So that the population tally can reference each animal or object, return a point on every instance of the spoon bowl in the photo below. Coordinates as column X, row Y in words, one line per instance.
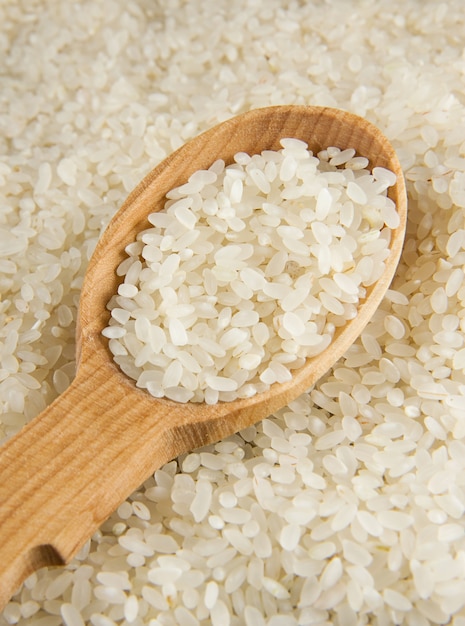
column 70, row 468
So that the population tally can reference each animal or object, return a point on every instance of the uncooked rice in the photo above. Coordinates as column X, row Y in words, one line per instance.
column 346, row 507
column 249, row 270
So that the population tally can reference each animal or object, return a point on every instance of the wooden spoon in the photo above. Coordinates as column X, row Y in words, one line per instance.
column 69, row 469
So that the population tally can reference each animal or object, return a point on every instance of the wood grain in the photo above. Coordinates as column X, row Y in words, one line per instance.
column 70, row 468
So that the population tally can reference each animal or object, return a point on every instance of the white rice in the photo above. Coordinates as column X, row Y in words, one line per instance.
column 360, row 521
column 272, row 247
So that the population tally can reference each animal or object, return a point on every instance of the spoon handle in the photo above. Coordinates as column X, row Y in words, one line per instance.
column 67, row 470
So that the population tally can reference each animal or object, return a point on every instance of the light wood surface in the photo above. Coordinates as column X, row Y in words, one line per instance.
column 69, row 469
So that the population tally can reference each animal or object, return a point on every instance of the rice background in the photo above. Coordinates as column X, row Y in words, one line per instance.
column 346, row 507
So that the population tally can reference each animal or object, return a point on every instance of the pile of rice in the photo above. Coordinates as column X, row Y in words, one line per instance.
column 249, row 270
column 348, row 506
